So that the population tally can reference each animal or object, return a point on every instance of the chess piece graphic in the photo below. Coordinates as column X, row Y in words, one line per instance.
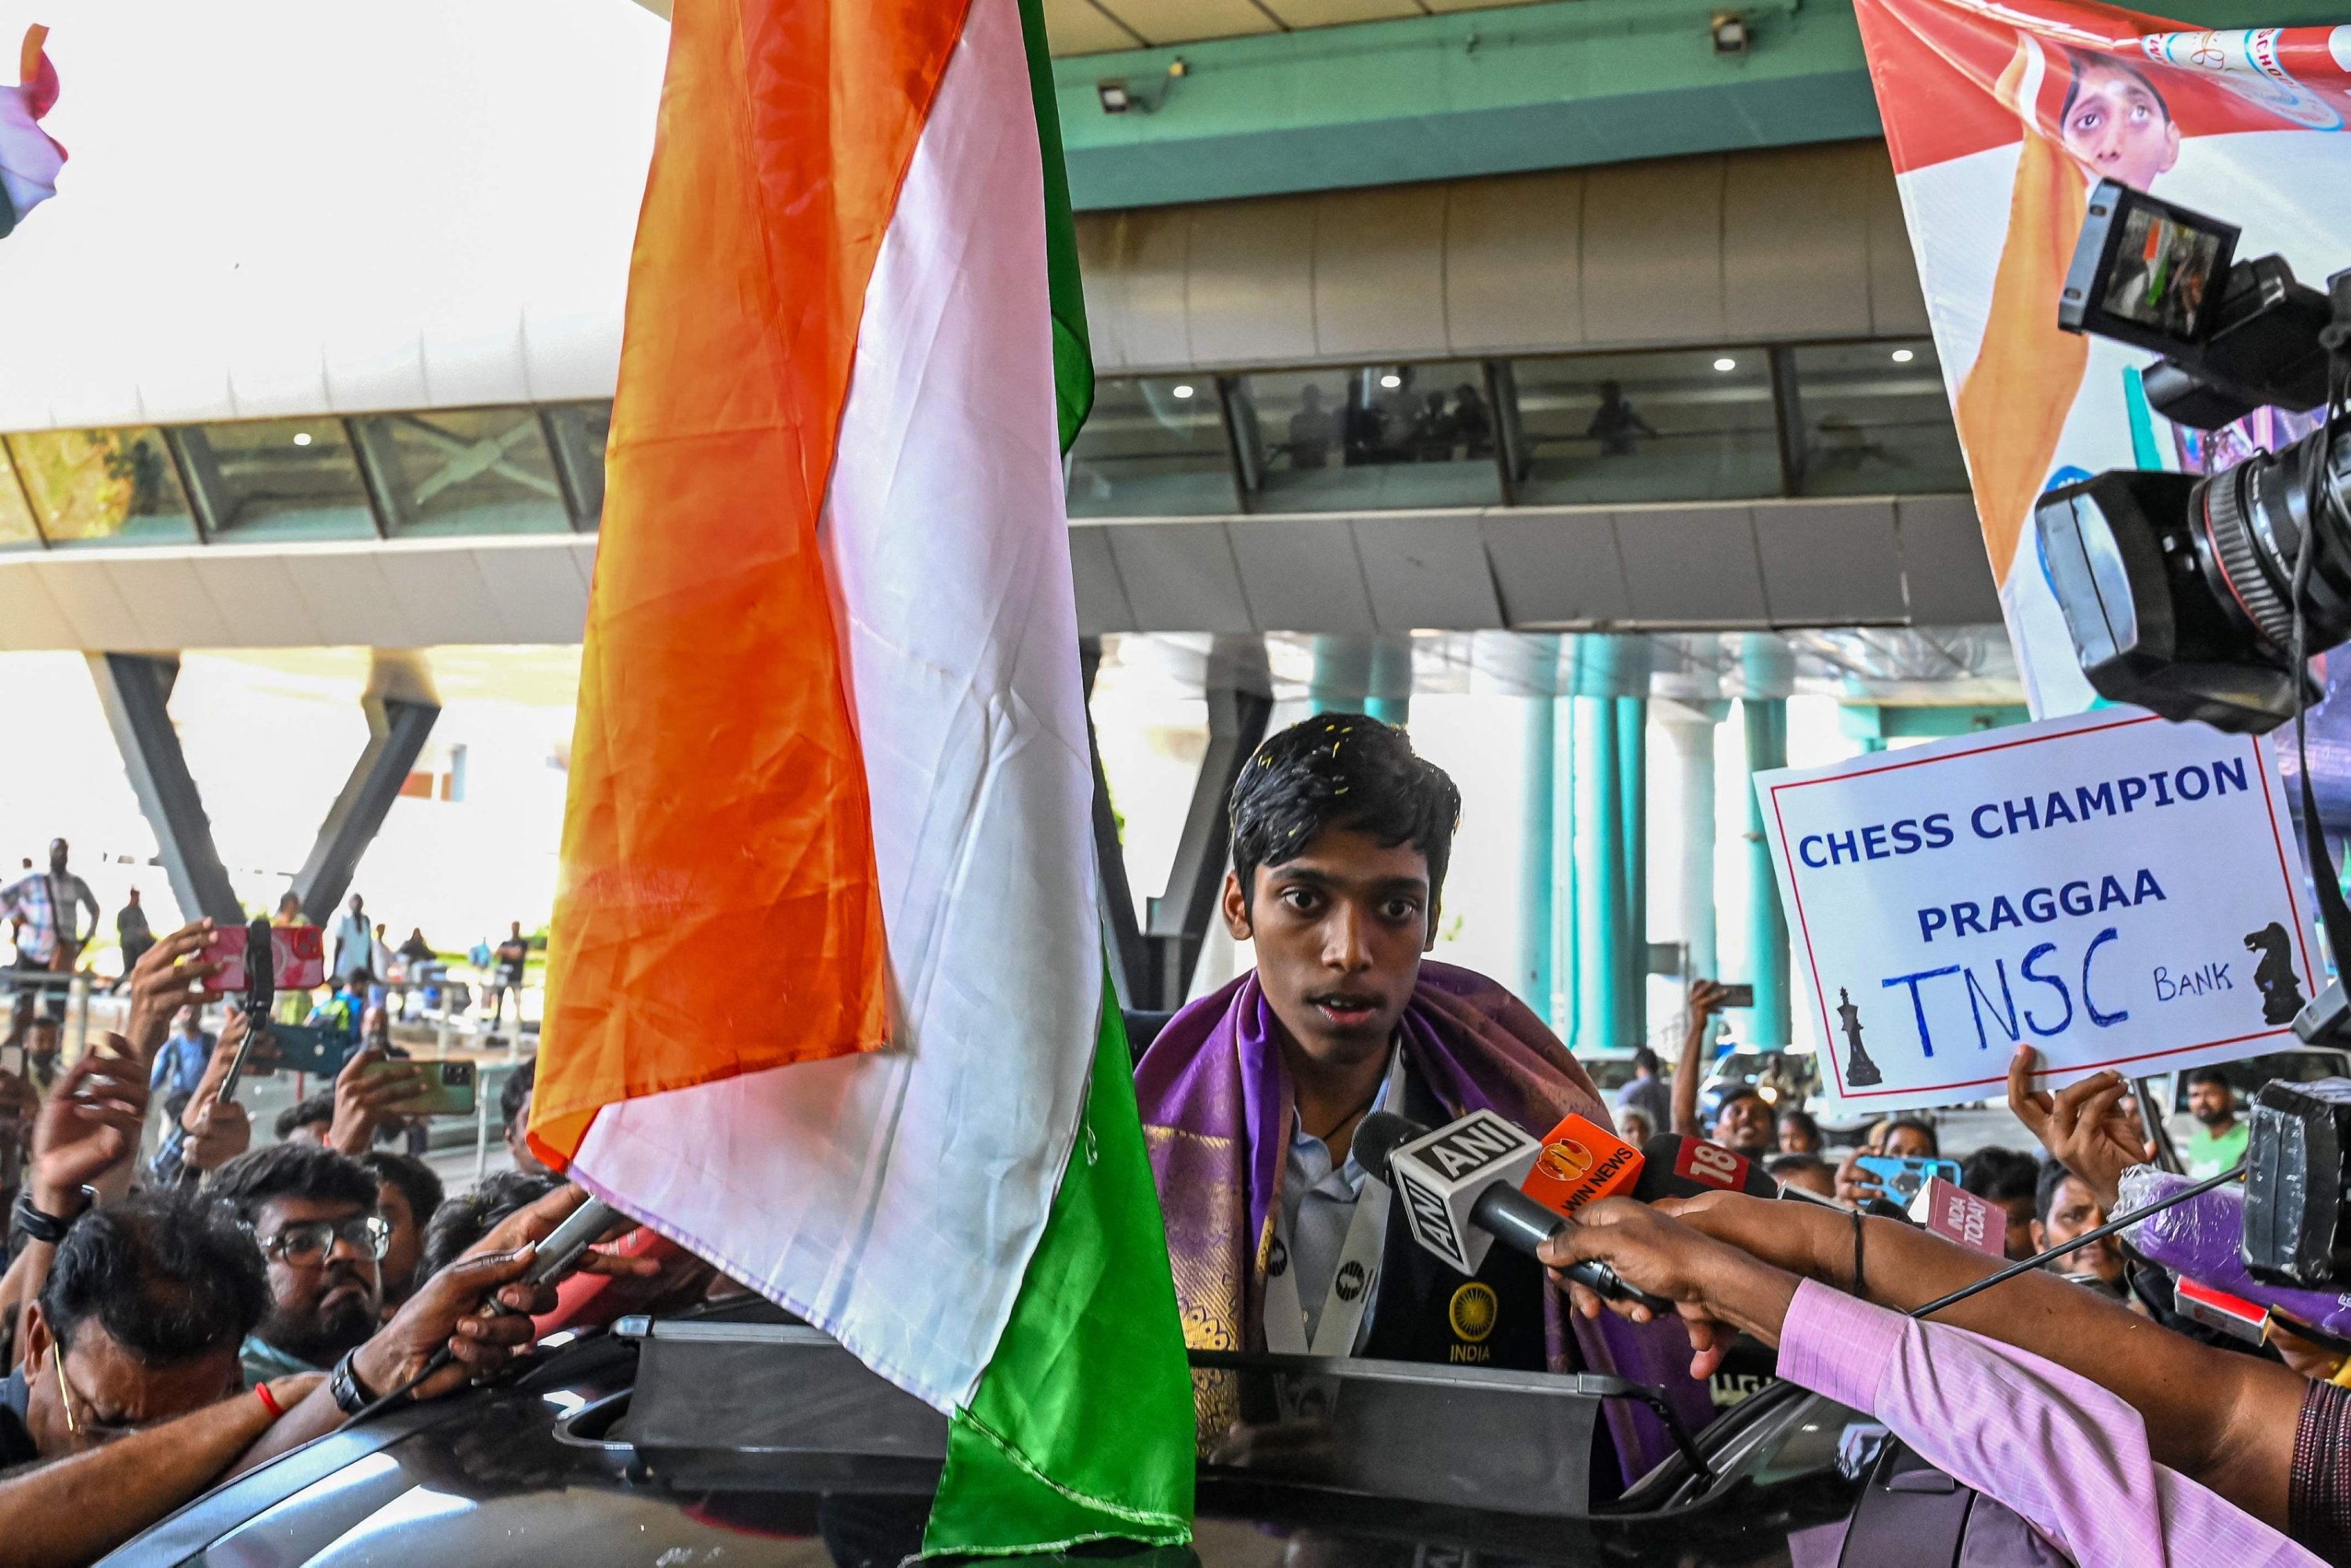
column 1860, row 1072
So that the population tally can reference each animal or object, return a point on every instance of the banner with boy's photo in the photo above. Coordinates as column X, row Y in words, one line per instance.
column 2002, row 116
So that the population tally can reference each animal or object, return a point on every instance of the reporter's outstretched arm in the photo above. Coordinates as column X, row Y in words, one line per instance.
column 2224, row 1420
column 2070, row 1456
column 77, row 1509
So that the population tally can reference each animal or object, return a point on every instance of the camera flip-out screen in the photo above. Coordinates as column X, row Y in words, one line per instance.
column 2147, row 272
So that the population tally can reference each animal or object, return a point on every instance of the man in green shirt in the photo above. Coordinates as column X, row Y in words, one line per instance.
column 2219, row 1140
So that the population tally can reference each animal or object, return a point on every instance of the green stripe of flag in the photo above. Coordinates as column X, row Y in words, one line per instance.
column 1082, row 1428
column 1073, row 359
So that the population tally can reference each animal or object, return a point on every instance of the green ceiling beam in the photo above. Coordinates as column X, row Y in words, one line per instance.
column 1484, row 92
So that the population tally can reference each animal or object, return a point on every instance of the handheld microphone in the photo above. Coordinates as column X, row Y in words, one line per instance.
column 1459, row 1183
column 1675, row 1165
column 2203, row 1240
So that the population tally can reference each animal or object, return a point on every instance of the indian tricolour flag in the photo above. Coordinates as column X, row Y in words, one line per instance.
column 826, row 1001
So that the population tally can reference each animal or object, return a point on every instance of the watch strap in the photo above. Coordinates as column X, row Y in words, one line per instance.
column 49, row 1229
column 350, row 1394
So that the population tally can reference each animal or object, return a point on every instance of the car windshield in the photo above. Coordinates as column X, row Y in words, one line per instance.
column 2250, row 1073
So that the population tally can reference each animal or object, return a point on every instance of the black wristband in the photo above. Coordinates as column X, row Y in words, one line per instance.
column 1860, row 1291
column 49, row 1229
column 350, row 1394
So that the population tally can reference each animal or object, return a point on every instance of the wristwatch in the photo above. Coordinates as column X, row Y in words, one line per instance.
column 351, row 1396
column 49, row 1229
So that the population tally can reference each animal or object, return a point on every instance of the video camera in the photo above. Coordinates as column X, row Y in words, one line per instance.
column 2178, row 590
column 2297, row 1227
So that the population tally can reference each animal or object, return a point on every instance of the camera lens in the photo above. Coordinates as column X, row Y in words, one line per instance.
column 2254, row 518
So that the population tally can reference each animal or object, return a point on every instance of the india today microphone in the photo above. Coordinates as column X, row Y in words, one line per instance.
column 1461, row 1190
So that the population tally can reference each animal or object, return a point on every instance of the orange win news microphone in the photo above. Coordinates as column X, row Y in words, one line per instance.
column 1459, row 1183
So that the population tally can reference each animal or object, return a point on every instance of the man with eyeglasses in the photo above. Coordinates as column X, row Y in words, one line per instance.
column 100, row 1359
column 313, row 1214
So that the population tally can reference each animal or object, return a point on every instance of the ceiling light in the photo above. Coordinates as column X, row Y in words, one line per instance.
column 1903, row 356
column 1726, row 363
column 1115, row 97
column 301, row 438
column 1730, row 35
column 1183, row 389
column 1392, row 380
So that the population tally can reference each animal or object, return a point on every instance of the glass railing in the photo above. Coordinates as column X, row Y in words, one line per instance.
column 1740, row 423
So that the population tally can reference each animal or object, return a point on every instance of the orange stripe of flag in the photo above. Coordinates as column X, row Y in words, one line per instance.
column 719, row 911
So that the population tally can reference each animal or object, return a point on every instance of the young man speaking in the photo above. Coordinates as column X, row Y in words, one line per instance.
column 1250, row 1097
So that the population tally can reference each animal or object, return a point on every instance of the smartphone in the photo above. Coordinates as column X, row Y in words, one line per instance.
column 298, row 953
column 448, row 1087
column 1904, row 1176
column 303, row 1048
column 1738, row 995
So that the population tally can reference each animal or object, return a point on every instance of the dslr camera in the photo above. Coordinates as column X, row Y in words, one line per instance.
column 2178, row 590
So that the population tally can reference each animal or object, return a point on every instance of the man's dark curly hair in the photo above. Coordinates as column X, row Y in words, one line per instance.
column 318, row 1111
column 465, row 1219
column 290, row 1170
column 167, row 1275
column 1341, row 769
column 411, row 1176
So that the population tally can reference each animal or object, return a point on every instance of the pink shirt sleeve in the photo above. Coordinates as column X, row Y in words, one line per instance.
column 2069, row 1457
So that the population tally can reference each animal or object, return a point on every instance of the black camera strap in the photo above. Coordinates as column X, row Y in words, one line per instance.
column 2333, row 913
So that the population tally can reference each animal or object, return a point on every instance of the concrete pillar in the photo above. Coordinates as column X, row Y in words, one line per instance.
column 1390, row 686
column 1343, row 673
column 1633, row 815
column 1600, row 916
column 1563, row 925
column 1532, row 979
column 1691, row 729
column 1766, row 721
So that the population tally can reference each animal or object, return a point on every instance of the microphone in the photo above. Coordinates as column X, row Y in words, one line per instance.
column 1675, row 1165
column 2202, row 1239
column 1461, row 1187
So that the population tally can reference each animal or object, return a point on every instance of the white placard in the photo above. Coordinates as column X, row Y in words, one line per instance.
column 2115, row 890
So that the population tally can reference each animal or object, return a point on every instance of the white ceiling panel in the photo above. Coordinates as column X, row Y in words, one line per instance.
column 1691, row 566
column 1829, row 563
column 535, row 588
column 29, row 618
column 1557, row 568
column 257, row 595
column 349, row 600
column 1180, row 577
column 174, row 608
column 1427, row 572
column 1102, row 598
column 1082, row 28
column 440, row 592
column 1302, row 574
column 1186, row 21
column 87, row 598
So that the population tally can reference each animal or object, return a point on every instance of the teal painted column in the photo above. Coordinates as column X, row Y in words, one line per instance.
column 1390, row 683
column 1600, row 912
column 1533, row 978
column 1343, row 673
column 1563, row 903
column 1633, row 810
column 1766, row 721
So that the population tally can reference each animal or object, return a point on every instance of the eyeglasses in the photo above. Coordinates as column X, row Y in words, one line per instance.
column 307, row 1243
column 98, row 1428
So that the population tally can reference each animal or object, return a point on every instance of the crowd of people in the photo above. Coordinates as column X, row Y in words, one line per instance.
column 177, row 1319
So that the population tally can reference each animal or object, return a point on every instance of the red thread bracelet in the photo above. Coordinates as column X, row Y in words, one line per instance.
column 269, row 1401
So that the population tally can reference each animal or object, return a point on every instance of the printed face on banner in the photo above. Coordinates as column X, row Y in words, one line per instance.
column 2111, row 889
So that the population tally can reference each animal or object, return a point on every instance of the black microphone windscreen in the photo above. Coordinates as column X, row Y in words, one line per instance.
column 1673, row 1165
column 1378, row 1136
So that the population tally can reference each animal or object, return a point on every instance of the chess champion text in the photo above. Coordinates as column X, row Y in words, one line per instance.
column 2038, row 812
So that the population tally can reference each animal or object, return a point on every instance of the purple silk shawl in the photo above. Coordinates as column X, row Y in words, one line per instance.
column 1215, row 1096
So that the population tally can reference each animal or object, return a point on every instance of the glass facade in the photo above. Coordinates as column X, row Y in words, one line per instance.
column 103, row 487
column 1369, row 438
column 1683, row 426
column 1154, row 446
column 278, row 480
column 16, row 529
column 464, row 471
column 1739, row 422
column 1875, row 418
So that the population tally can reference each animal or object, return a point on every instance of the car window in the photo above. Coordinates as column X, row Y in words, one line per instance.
column 2250, row 1074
